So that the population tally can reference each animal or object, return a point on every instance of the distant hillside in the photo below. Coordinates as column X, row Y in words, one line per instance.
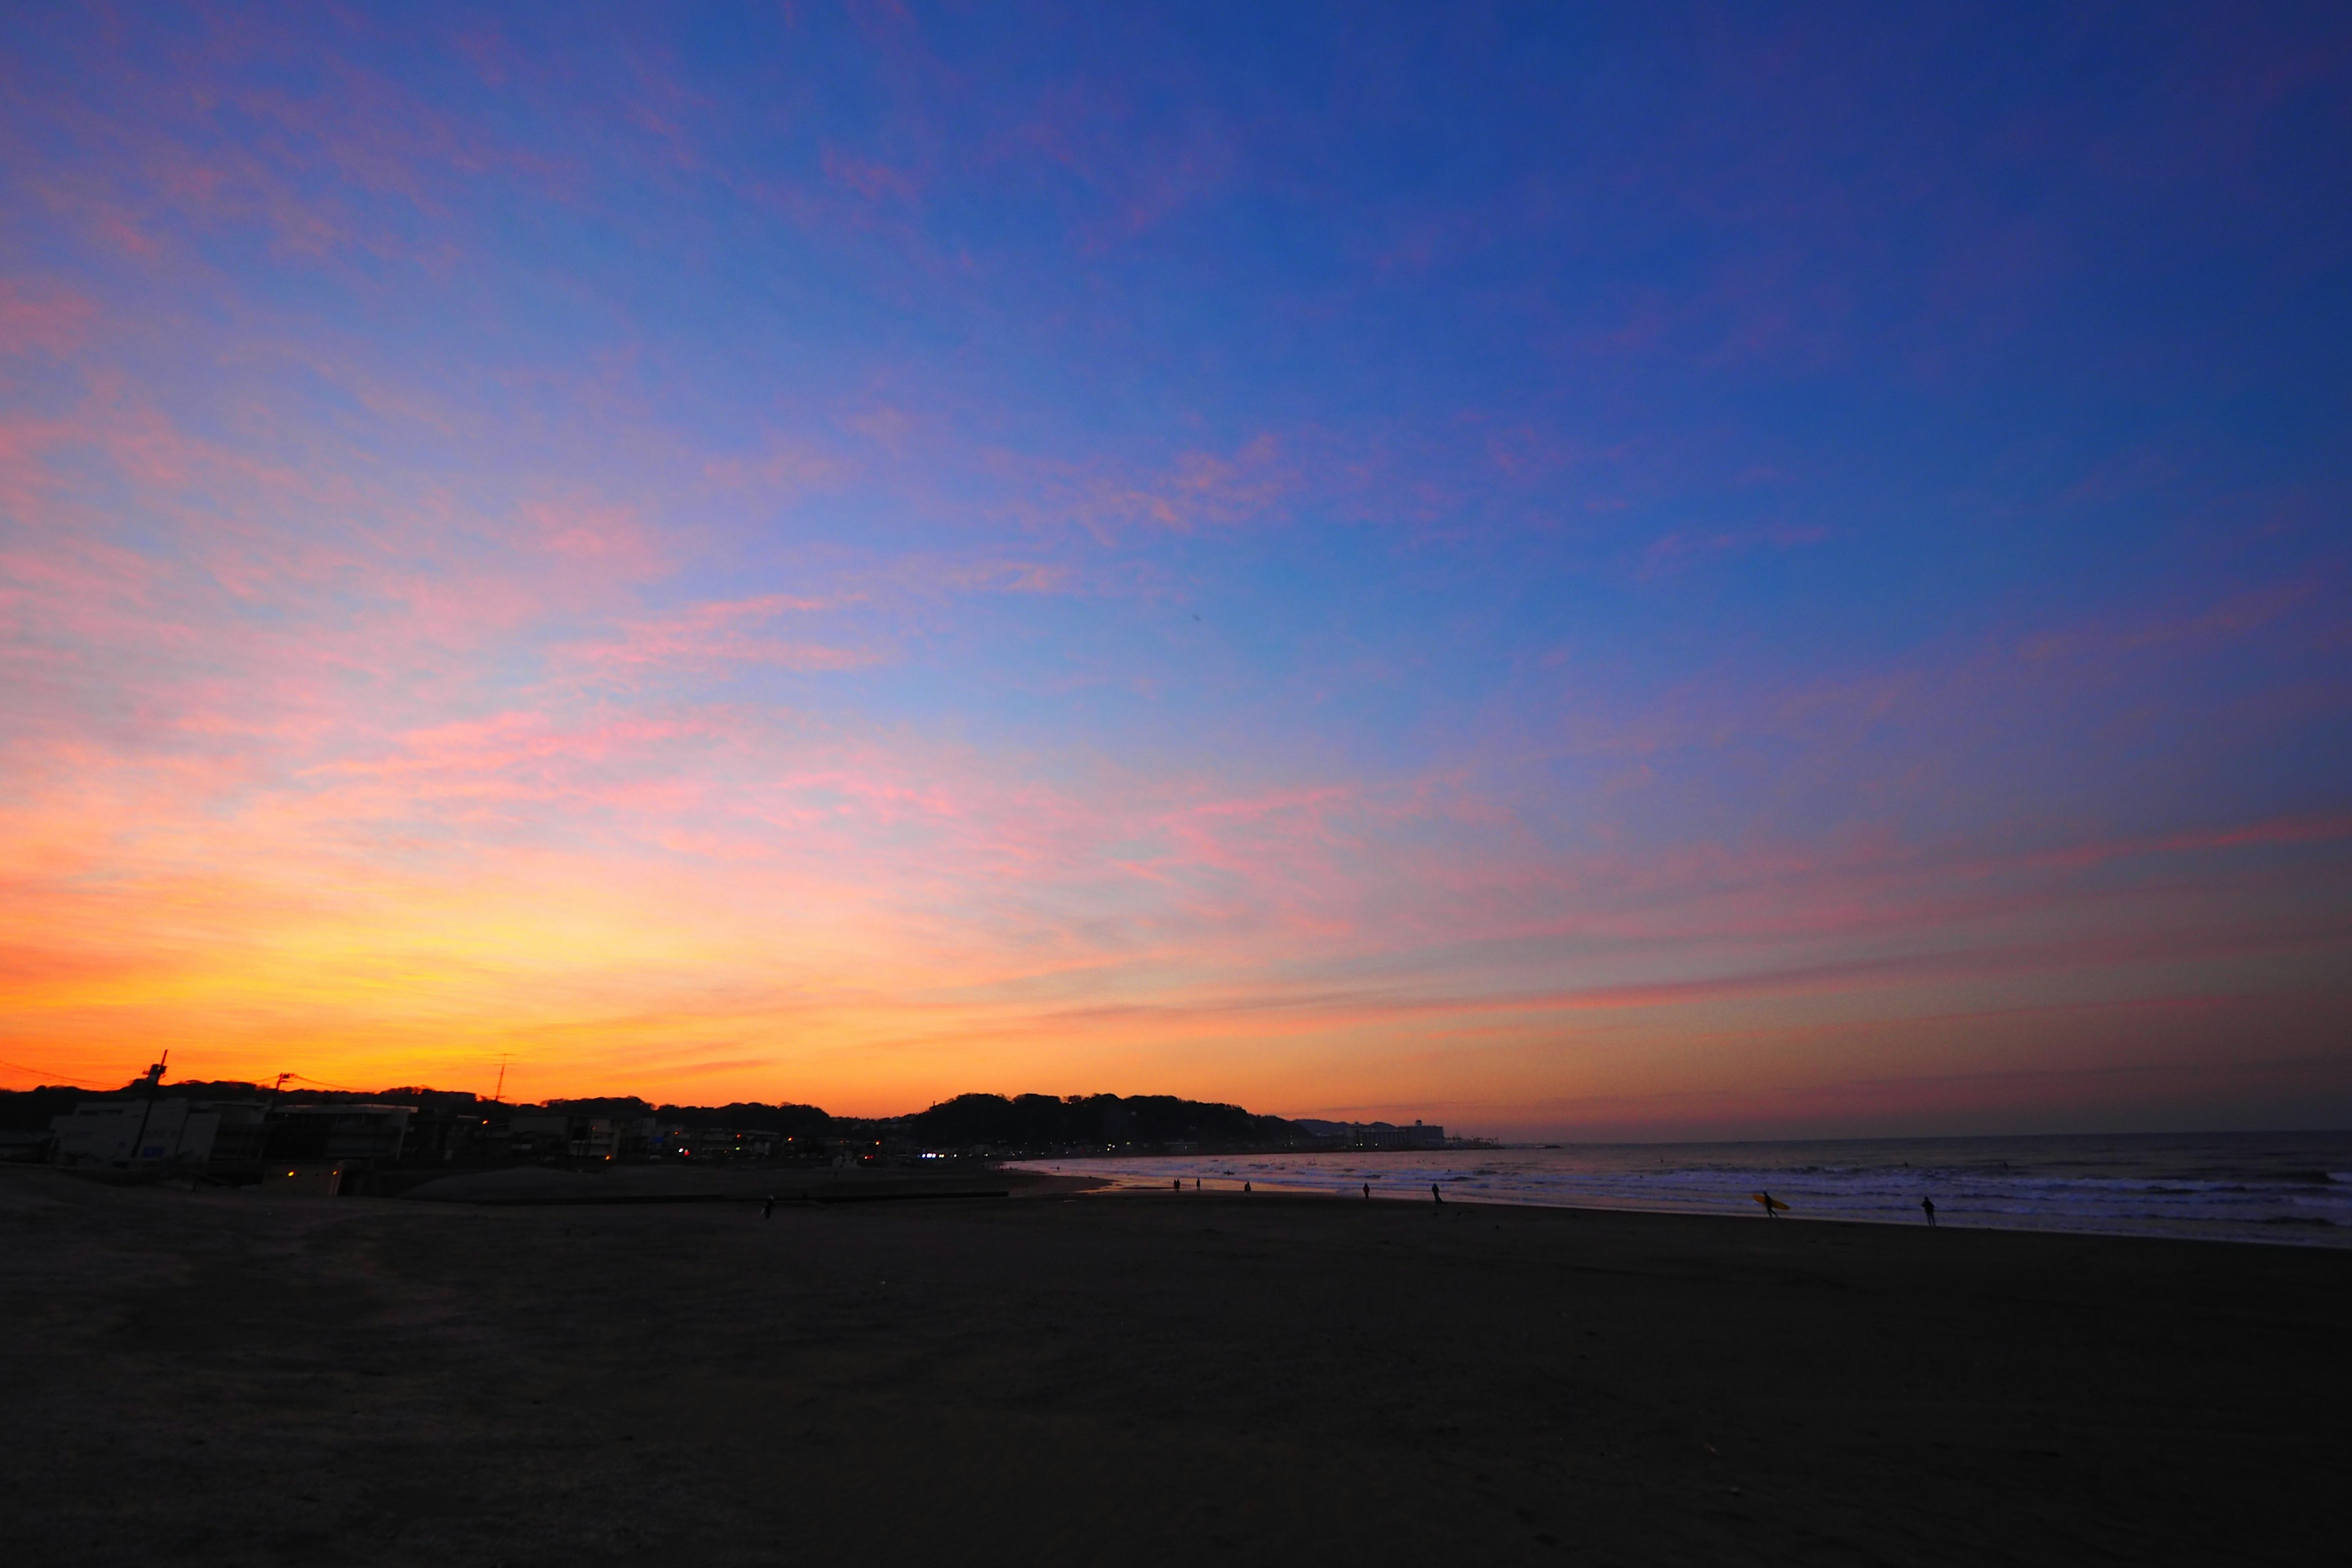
column 1043, row 1120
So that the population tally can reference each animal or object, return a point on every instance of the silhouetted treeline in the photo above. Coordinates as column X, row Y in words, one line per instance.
column 602, row 1105
column 745, row 1116
column 968, row 1120
column 740, row 1116
column 1043, row 1121
column 31, row 1108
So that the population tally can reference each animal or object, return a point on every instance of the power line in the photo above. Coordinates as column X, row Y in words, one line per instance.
column 323, row 1083
column 46, row 1073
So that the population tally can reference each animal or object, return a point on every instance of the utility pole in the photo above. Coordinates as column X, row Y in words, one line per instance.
column 261, row 1150
column 154, row 1077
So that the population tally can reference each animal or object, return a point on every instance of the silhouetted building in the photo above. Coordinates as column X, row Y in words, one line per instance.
column 719, row 1145
column 177, row 1131
column 1374, row 1134
column 450, row 1133
column 28, row 1145
column 349, row 1134
column 539, row 1134
column 238, row 1137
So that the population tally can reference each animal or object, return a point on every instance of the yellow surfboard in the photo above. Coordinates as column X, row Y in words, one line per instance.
column 1771, row 1203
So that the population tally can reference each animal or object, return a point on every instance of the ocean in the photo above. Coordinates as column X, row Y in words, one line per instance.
column 2278, row 1187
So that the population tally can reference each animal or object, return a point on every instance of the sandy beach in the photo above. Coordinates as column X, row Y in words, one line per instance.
column 1141, row 1378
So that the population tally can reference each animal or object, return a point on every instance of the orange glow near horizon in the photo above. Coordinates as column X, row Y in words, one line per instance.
column 711, row 974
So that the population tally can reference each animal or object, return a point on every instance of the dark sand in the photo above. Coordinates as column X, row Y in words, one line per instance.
column 1145, row 1378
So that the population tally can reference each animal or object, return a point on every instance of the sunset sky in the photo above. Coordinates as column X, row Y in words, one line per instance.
column 1616, row 573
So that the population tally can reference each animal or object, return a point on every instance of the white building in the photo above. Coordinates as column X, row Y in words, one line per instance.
column 100, row 1131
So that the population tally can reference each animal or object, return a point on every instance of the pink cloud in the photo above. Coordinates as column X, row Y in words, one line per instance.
column 1198, row 490
column 786, row 466
column 1679, row 551
column 53, row 321
column 2246, row 611
column 608, row 535
column 719, row 633
column 870, row 180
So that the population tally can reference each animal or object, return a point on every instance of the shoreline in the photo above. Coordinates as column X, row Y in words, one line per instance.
column 1271, row 1190
column 2272, row 1190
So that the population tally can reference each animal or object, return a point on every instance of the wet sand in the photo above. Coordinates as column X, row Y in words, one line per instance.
column 1144, row 1378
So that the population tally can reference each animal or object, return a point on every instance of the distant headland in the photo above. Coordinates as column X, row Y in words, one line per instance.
column 366, row 1140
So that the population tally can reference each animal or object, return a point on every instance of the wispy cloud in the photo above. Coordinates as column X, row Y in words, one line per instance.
column 947, row 557
column 706, row 635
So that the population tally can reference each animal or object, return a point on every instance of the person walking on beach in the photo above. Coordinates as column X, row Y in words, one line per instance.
column 1245, row 1186
column 1766, row 1199
column 1367, row 1192
column 1180, row 1183
column 1435, row 1196
column 768, row 1210
column 1928, row 1204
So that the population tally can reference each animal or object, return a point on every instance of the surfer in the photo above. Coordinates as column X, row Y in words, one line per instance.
column 1435, row 1196
column 1928, row 1207
column 1771, row 1204
column 1367, row 1192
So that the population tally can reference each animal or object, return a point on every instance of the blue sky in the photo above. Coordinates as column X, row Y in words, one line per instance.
column 1644, row 570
